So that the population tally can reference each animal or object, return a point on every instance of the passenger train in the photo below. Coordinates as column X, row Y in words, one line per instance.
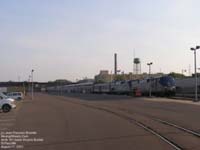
column 186, row 86
column 160, row 86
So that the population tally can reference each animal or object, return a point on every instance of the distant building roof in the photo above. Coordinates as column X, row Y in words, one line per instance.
column 104, row 72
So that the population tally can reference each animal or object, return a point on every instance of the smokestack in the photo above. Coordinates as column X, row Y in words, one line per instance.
column 115, row 62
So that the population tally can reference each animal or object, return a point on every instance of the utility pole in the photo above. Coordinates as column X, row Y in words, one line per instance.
column 32, row 84
column 195, row 72
column 115, row 64
column 133, row 64
column 149, row 64
column 29, row 81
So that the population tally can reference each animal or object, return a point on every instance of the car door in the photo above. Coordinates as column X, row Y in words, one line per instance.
column 15, row 95
column 10, row 95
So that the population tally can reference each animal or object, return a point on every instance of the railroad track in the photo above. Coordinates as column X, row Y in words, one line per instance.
column 190, row 131
column 130, row 116
column 140, row 124
column 195, row 134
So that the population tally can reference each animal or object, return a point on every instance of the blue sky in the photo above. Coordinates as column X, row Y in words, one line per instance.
column 73, row 39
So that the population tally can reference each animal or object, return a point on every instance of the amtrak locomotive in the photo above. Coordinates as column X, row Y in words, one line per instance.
column 161, row 86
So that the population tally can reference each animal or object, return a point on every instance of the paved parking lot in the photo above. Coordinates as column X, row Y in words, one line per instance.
column 96, row 122
column 8, row 120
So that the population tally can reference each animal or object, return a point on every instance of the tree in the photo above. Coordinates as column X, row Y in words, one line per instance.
column 176, row 75
column 119, row 78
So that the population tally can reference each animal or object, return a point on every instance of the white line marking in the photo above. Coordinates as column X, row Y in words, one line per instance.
column 3, row 129
column 6, row 124
column 7, row 120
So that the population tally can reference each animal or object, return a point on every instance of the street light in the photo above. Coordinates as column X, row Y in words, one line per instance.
column 195, row 71
column 198, row 76
column 29, row 83
column 32, row 84
column 149, row 64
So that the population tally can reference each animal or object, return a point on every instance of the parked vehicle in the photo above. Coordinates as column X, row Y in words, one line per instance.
column 6, row 104
column 16, row 95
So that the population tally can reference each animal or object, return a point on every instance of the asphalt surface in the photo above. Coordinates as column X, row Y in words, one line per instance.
column 102, row 122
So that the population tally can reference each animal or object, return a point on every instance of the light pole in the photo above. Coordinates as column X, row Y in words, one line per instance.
column 149, row 64
column 32, row 84
column 195, row 72
column 198, row 76
column 29, row 81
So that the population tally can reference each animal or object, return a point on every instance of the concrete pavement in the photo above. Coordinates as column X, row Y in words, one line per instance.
column 64, row 123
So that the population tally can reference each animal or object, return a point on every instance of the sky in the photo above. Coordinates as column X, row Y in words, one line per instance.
column 74, row 39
